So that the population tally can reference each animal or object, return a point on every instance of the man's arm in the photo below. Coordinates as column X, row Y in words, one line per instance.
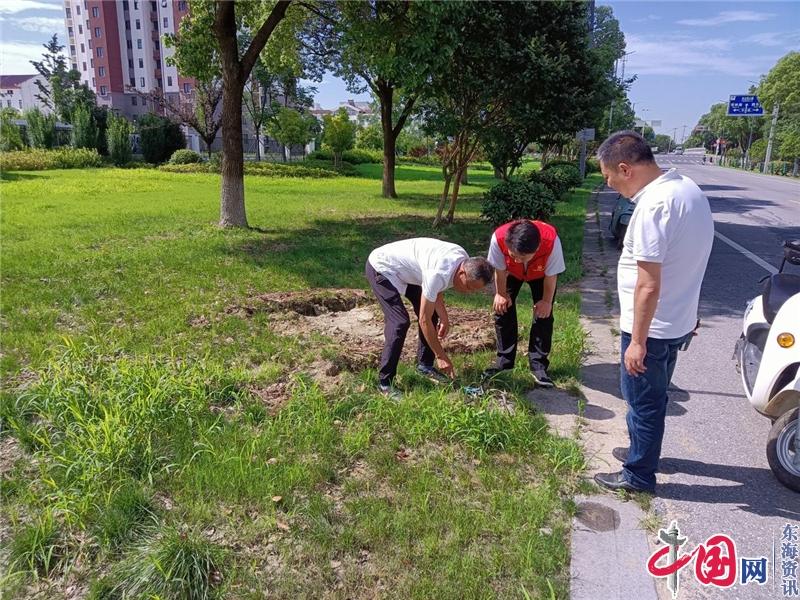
column 501, row 299
column 645, row 301
column 444, row 319
column 544, row 307
column 429, row 331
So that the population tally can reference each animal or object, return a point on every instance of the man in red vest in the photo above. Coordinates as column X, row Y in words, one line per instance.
column 525, row 251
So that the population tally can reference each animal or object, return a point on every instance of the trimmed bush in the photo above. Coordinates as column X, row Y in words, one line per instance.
column 345, row 168
column 592, row 166
column 354, row 157
column 552, row 179
column 517, row 199
column 184, row 156
column 559, row 163
column 39, row 159
column 263, row 169
column 570, row 173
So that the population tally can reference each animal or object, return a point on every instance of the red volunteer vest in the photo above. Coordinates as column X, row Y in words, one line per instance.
column 535, row 267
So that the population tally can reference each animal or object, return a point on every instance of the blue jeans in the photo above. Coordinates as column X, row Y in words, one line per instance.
column 646, row 395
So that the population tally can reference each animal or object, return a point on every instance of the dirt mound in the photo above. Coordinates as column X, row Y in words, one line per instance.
column 353, row 322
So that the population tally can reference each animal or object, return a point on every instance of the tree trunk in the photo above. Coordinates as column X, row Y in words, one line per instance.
column 258, row 143
column 498, row 173
column 232, row 212
column 464, row 179
column 454, row 197
column 438, row 220
column 385, row 95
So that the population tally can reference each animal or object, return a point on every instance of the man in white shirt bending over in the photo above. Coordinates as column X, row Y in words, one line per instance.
column 660, row 271
column 420, row 269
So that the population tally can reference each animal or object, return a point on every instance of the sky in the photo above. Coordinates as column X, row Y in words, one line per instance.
column 685, row 55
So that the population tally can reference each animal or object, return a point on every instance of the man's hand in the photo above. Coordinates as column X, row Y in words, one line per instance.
column 543, row 309
column 634, row 359
column 502, row 302
column 443, row 328
column 445, row 366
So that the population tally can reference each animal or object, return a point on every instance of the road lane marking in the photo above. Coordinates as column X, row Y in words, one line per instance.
column 761, row 263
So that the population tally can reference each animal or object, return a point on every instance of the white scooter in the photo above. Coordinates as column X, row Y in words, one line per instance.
column 768, row 357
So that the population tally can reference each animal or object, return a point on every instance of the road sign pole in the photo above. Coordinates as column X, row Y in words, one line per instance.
column 768, row 157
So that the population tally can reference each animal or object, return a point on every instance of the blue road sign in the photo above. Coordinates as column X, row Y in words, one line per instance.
column 745, row 106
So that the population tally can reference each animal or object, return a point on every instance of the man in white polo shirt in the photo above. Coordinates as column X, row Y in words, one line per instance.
column 420, row 269
column 660, row 271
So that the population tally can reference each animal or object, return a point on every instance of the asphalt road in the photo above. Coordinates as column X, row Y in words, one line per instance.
column 714, row 472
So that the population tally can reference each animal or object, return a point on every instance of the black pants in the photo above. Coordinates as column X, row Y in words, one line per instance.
column 507, row 329
column 396, row 324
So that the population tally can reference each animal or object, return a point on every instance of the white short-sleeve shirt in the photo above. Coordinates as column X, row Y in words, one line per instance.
column 426, row 262
column 672, row 225
column 553, row 266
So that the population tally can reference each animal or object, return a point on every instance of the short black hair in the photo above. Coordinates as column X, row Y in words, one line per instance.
column 478, row 268
column 523, row 237
column 625, row 146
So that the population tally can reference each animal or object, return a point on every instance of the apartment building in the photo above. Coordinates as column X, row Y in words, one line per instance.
column 19, row 92
column 117, row 47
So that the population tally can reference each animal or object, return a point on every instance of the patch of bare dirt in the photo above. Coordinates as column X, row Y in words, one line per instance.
column 273, row 396
column 353, row 321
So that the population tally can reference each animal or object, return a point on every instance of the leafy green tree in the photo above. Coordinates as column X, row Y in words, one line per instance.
column 338, row 133
column 391, row 48
column 204, row 56
column 758, row 151
column 10, row 135
column 119, row 140
column 781, row 87
column 40, row 128
column 663, row 142
column 370, row 137
column 289, row 127
column 160, row 137
column 84, row 129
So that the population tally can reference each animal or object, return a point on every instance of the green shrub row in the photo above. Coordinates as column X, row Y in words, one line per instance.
column 354, row 157
column 261, row 169
column 39, row 159
column 559, row 178
column 184, row 156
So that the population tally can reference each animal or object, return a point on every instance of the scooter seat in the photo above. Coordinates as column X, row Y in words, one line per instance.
column 779, row 288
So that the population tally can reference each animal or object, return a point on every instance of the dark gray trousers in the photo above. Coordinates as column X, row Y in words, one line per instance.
column 396, row 324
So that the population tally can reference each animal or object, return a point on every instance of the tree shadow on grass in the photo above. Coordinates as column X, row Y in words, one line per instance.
column 14, row 176
column 332, row 253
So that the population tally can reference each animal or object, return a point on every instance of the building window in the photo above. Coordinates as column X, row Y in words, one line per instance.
column 133, row 82
column 182, row 6
column 8, row 103
column 84, row 66
column 130, row 44
column 70, row 31
column 127, row 24
column 93, row 83
column 141, row 81
column 124, row 4
column 160, row 82
column 135, row 5
column 95, row 12
column 134, row 101
column 74, row 66
column 130, row 63
column 69, row 12
column 166, row 22
column 77, row 9
column 169, row 80
column 153, row 6
column 91, row 62
column 138, row 24
column 90, row 44
column 141, row 63
column 103, row 90
column 99, row 51
column 157, row 46
column 83, row 48
column 102, row 72
column 97, row 32
column 71, row 49
column 186, row 88
column 80, row 29
column 139, row 44
column 20, row 103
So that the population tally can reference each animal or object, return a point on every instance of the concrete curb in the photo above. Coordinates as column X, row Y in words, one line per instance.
column 609, row 545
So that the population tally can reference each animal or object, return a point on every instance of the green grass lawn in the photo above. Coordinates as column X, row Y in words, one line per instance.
column 143, row 463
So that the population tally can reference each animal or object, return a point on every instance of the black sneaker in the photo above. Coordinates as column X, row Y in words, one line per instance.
column 391, row 392
column 432, row 374
column 617, row 481
column 541, row 377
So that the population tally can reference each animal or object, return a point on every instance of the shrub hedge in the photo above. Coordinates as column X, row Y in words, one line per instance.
column 40, row 159
column 354, row 157
column 517, row 199
column 185, row 156
column 261, row 169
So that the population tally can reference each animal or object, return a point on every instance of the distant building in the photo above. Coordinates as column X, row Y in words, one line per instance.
column 117, row 49
column 358, row 112
column 19, row 92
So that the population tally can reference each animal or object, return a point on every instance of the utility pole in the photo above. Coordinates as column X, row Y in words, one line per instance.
column 768, row 157
column 683, row 135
